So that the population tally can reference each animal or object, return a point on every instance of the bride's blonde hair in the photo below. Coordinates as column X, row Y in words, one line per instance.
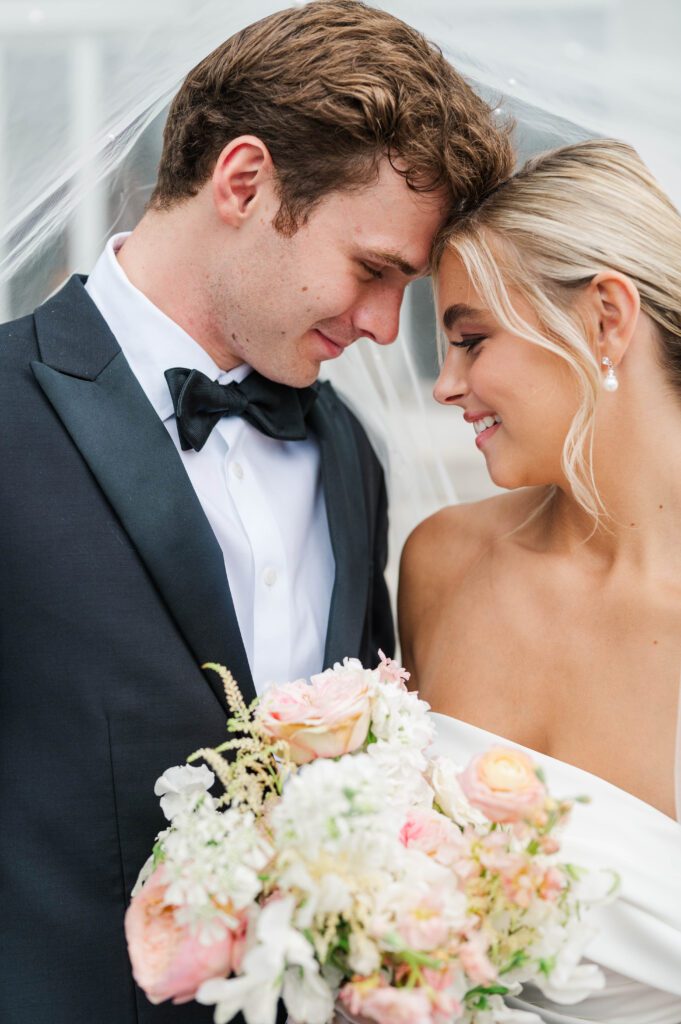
column 546, row 232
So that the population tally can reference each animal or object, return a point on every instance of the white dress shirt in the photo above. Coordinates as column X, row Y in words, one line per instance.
column 262, row 497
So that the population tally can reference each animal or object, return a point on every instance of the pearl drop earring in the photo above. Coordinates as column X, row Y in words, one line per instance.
column 610, row 381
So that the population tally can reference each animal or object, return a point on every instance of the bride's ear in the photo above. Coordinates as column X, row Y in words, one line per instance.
column 242, row 175
column 616, row 304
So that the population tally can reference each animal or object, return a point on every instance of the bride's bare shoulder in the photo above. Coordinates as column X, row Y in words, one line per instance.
column 459, row 534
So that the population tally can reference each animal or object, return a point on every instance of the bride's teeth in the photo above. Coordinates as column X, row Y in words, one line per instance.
column 485, row 423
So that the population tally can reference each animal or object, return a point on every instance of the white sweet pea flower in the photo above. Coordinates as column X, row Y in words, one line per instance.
column 307, row 996
column 249, row 994
column 569, row 981
column 180, row 785
column 277, row 946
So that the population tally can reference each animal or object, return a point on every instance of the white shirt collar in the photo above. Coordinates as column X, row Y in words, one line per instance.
column 150, row 340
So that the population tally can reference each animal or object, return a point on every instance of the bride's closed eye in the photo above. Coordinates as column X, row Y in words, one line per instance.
column 469, row 341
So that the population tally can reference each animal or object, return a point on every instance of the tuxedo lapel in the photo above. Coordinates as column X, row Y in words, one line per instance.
column 348, row 525
column 94, row 392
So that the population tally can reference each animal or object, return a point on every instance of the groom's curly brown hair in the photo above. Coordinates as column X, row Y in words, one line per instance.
column 331, row 88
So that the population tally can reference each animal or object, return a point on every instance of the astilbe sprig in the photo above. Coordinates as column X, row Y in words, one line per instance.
column 261, row 764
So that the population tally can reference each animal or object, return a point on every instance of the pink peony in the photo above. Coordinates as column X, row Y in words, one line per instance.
column 387, row 1005
column 168, row 962
column 327, row 717
column 504, row 785
column 434, row 835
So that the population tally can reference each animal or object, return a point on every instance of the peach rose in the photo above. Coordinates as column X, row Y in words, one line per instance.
column 327, row 717
column 168, row 962
column 504, row 785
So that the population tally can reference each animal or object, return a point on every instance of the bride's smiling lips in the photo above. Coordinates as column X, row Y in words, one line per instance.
column 485, row 425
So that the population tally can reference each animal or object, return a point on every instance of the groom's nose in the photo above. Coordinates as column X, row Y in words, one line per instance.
column 377, row 317
column 452, row 385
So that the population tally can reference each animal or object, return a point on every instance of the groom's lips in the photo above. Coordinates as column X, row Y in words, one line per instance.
column 332, row 348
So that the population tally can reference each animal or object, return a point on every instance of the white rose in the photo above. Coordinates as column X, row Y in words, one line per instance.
column 450, row 798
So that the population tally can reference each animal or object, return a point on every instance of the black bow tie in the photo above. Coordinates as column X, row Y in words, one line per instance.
column 277, row 410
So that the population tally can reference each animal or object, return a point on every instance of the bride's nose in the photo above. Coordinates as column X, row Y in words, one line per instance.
column 452, row 385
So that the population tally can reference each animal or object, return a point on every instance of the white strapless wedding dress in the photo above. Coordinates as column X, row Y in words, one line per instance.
column 638, row 944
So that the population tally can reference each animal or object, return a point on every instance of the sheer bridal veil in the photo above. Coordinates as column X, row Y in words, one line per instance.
column 83, row 89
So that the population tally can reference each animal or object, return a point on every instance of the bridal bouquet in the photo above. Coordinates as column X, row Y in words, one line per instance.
column 345, row 871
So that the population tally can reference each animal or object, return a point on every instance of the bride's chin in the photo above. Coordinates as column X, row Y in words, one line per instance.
column 512, row 478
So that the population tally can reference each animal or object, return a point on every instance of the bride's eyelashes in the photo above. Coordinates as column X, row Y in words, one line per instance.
column 469, row 341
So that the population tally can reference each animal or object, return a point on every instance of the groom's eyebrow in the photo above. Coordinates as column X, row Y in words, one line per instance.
column 395, row 259
column 457, row 312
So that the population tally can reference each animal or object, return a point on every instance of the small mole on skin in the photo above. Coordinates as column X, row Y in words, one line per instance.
column 655, row 641
column 660, row 506
column 304, row 288
column 632, row 524
column 233, row 337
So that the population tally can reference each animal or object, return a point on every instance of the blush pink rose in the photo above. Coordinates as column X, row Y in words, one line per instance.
column 434, row 835
column 327, row 717
column 168, row 962
column 504, row 785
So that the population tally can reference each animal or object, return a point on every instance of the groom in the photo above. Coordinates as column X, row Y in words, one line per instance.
column 176, row 487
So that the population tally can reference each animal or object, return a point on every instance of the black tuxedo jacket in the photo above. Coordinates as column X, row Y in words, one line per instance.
column 112, row 593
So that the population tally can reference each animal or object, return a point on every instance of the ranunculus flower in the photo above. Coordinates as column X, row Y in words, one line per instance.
column 327, row 717
column 503, row 784
column 167, row 961
column 386, row 1005
column 433, row 834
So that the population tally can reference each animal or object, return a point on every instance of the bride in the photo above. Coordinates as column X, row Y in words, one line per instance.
column 550, row 616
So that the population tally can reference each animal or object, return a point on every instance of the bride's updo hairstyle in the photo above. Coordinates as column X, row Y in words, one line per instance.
column 545, row 233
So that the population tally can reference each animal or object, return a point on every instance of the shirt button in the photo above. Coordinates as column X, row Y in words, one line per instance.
column 238, row 470
column 269, row 577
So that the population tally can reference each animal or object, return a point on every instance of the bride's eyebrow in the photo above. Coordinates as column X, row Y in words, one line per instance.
column 457, row 312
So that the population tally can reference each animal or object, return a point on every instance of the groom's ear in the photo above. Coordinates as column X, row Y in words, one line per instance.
column 242, row 175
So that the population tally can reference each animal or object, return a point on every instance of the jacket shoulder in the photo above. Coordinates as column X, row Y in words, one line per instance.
column 18, row 342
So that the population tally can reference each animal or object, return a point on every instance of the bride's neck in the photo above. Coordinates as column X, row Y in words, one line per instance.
column 637, row 468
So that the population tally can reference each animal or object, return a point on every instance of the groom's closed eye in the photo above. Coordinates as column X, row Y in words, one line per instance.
column 383, row 259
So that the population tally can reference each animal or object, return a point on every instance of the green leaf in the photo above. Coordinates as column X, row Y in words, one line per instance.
column 487, row 990
column 519, row 959
column 546, row 965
